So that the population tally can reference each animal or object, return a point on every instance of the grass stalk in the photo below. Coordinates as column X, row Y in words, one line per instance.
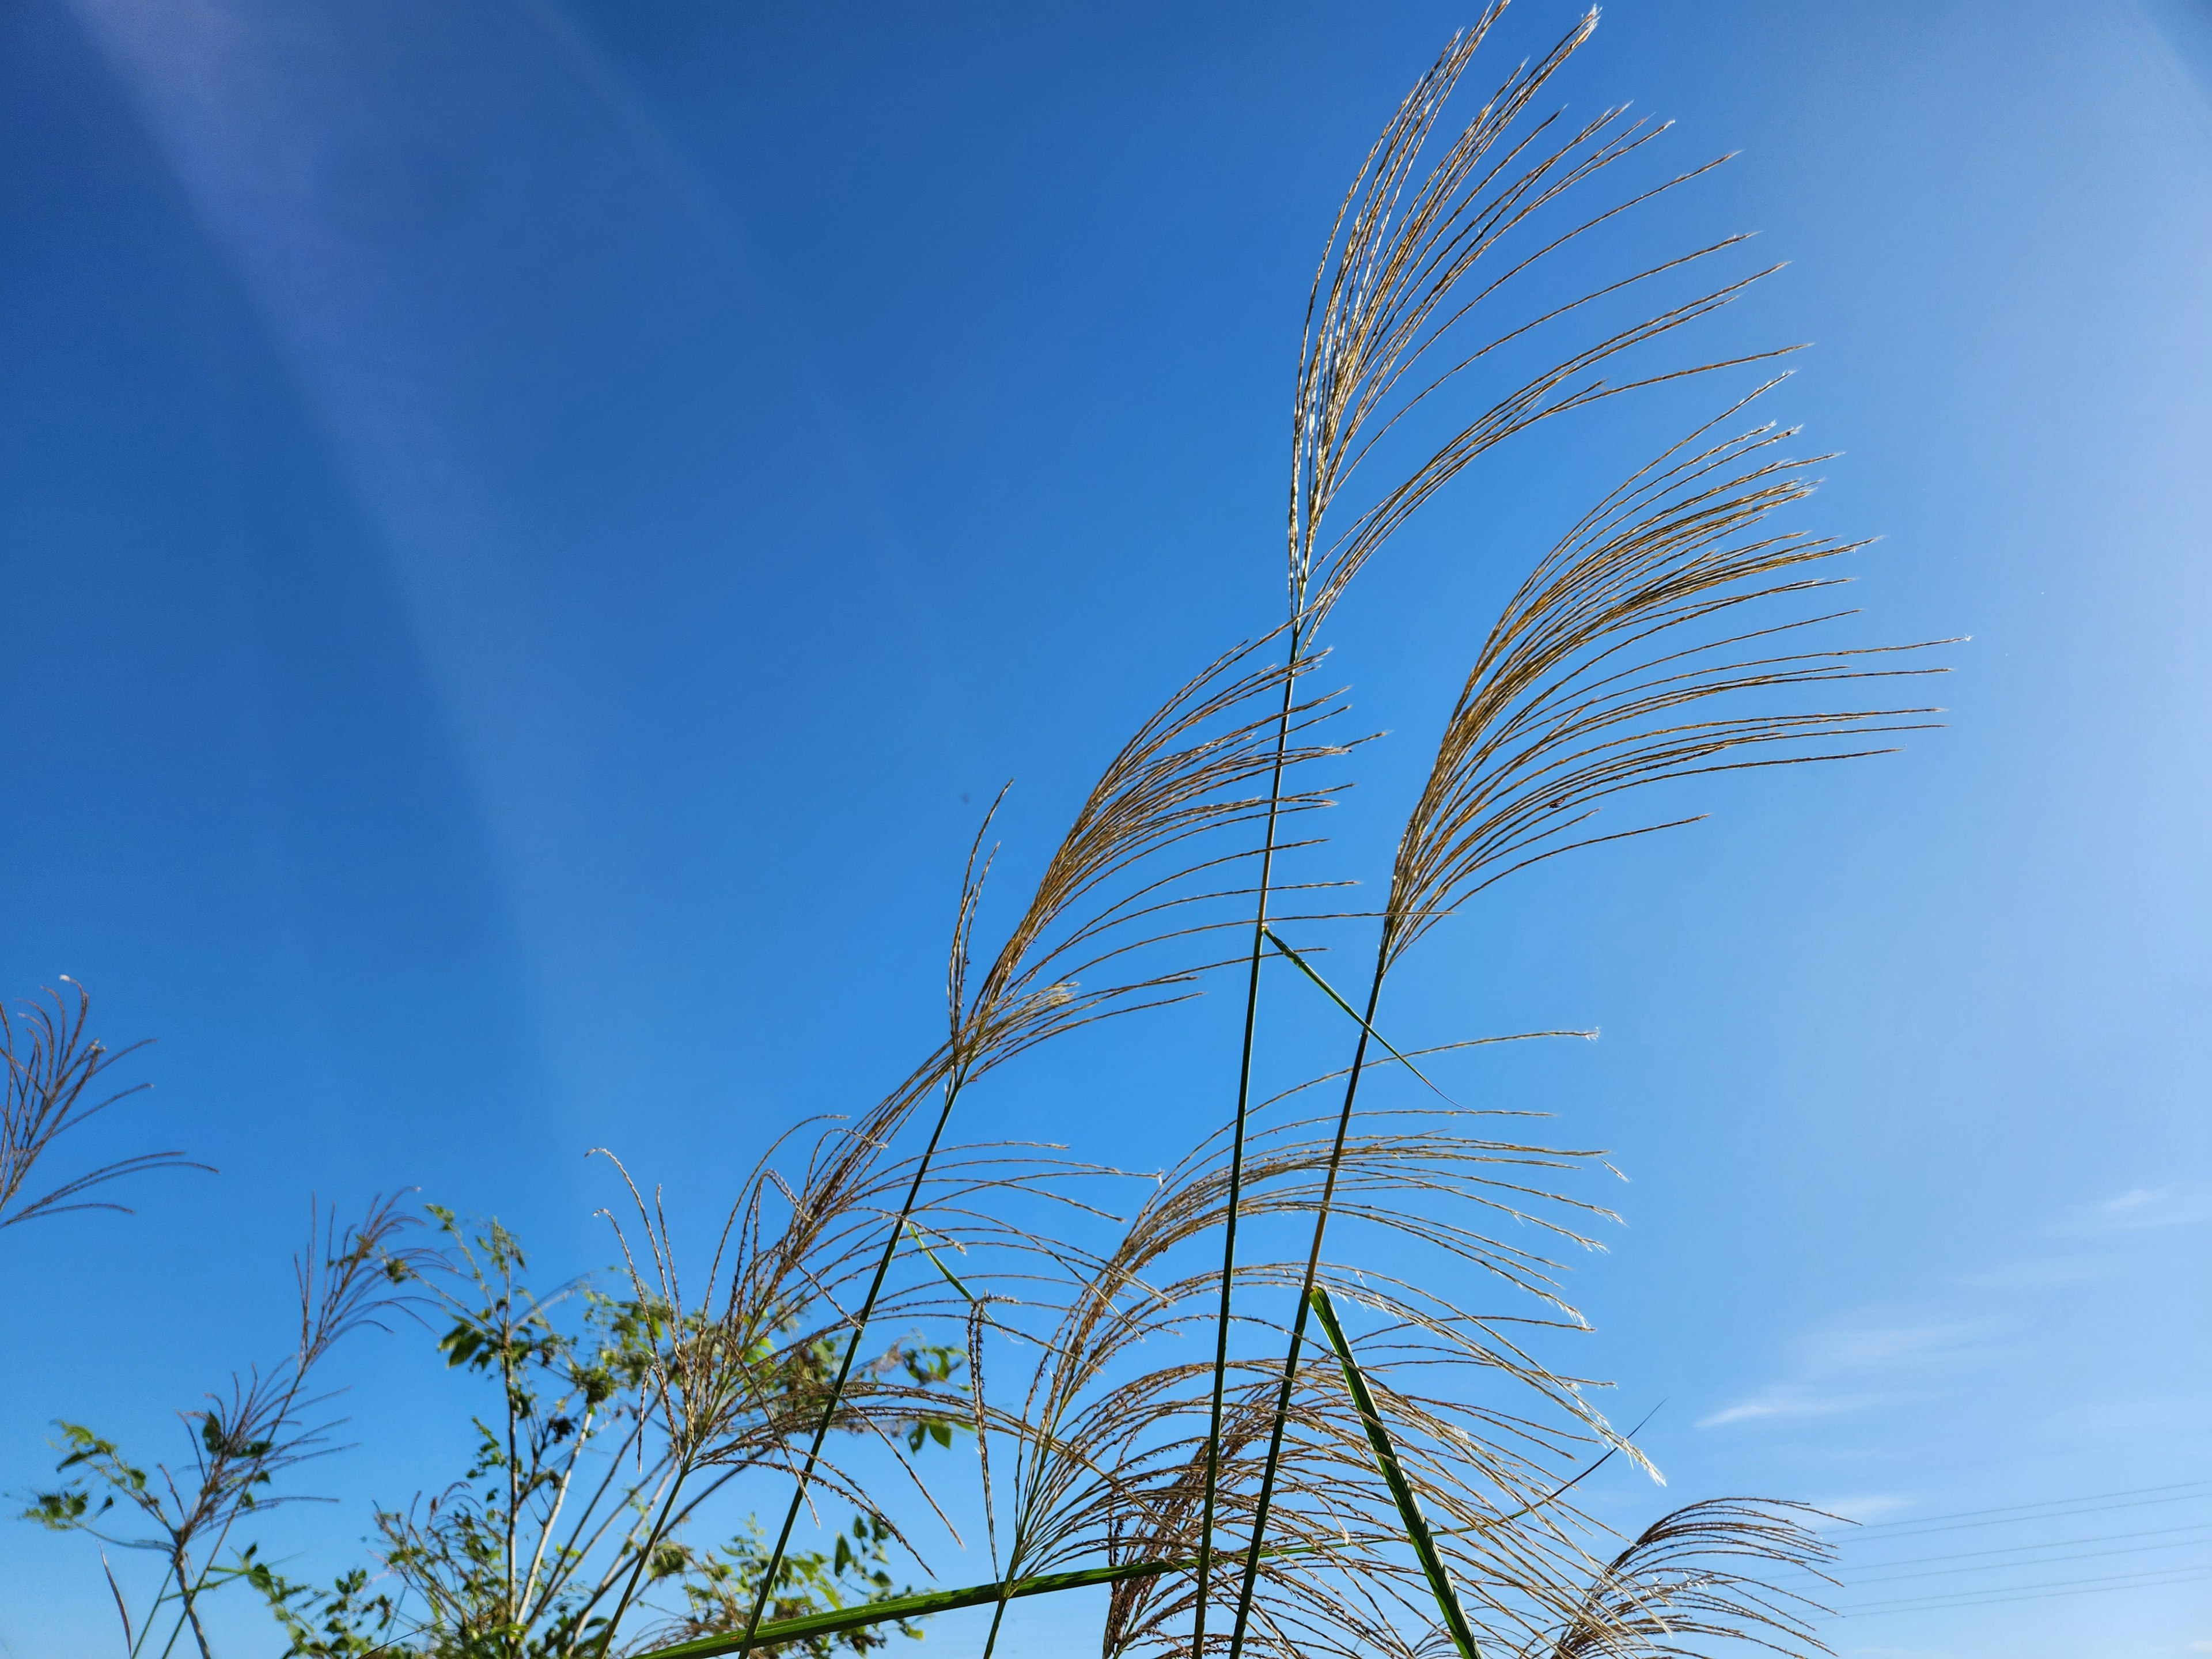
column 1305, row 1294
column 1393, row 1475
column 921, row 1604
column 1260, row 934
column 918, row 1605
column 845, row 1369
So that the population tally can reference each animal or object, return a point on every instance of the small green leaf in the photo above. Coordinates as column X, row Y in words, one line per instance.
column 1307, row 968
column 952, row 1278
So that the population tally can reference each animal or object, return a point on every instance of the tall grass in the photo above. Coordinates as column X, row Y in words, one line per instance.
column 1408, row 1483
column 55, row 1073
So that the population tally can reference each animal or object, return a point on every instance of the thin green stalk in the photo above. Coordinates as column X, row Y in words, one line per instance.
column 845, row 1369
column 1299, row 1322
column 653, row 1534
column 918, row 1605
column 998, row 1617
column 1237, row 1162
column 1394, row 1476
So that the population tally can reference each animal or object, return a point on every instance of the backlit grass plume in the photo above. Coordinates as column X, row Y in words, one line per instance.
column 1420, row 302
column 1650, row 645
column 1187, row 772
column 1131, row 1354
column 55, row 1073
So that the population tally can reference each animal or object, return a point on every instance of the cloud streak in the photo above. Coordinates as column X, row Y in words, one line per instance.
column 2184, row 1203
column 1852, row 1366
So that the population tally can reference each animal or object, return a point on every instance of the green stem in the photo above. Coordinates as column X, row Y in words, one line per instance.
column 920, row 1604
column 998, row 1617
column 1394, row 1476
column 646, row 1546
column 845, row 1370
column 1299, row 1322
column 1237, row 1159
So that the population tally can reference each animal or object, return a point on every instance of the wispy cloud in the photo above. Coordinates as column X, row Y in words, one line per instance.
column 2042, row 1273
column 1889, row 1347
column 1785, row 1401
column 2184, row 1203
column 1850, row 1366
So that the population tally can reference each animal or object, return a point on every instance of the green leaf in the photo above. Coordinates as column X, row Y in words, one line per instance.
column 1307, row 968
column 1386, row 1458
column 461, row 1345
column 952, row 1278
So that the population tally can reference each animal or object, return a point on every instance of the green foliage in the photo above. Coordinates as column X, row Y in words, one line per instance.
column 241, row 1442
column 719, row 1590
column 345, row 1622
column 574, row 1492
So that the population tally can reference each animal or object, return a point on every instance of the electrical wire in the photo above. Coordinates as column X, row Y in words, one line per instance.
column 2155, row 1580
column 2029, row 1557
column 2048, row 1561
column 1913, row 1529
column 1861, row 1530
column 2053, row 1544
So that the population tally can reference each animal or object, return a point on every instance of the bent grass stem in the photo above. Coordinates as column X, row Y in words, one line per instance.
column 1305, row 1303
column 845, row 1369
column 1259, row 934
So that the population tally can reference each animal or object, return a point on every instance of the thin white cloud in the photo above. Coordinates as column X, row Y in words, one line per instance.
column 1785, row 1402
column 2045, row 1274
column 2184, row 1203
column 1887, row 1347
column 1850, row 1366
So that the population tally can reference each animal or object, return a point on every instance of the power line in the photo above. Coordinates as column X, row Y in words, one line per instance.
column 2052, row 1544
column 2005, row 1520
column 2008, row 1509
column 1995, row 1597
column 2048, row 1561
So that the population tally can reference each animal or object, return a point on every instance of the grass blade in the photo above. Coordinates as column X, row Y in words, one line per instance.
column 1386, row 1458
column 916, row 1605
column 951, row 1277
column 1308, row 969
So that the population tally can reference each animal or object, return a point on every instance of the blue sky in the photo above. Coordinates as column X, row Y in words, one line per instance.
column 534, row 529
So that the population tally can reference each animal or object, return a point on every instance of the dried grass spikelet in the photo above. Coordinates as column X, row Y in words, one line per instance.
column 1112, row 926
column 1597, row 676
column 1414, row 289
column 1114, row 892
column 53, row 1066
column 1392, row 292
column 1110, row 1441
column 1192, row 769
column 1699, row 1574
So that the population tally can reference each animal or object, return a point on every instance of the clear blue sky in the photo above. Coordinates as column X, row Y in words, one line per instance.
column 531, row 530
